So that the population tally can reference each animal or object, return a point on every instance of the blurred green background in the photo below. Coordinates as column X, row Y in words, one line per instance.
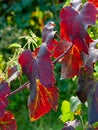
column 16, row 18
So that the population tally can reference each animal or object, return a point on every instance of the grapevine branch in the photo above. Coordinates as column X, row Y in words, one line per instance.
column 28, row 83
column 63, row 54
column 19, row 89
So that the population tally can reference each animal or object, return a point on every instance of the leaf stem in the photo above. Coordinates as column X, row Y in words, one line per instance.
column 63, row 54
column 82, row 122
column 19, row 89
column 58, row 36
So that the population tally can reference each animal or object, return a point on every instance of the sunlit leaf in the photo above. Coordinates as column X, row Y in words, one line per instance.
column 66, row 3
column 42, row 64
column 73, row 28
column 71, row 63
column 95, row 125
column 45, row 100
column 67, row 114
column 73, row 25
column 39, row 66
column 28, row 64
column 61, row 47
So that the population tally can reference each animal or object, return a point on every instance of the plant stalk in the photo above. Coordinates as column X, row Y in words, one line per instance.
column 19, row 89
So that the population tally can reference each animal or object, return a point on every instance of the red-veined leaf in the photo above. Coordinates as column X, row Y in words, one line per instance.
column 73, row 29
column 51, row 46
column 7, row 122
column 4, row 92
column 42, row 64
column 39, row 67
column 94, row 2
column 45, row 100
column 73, row 25
column 60, row 48
column 71, row 63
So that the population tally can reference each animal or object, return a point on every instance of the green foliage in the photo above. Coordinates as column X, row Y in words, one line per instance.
column 95, row 125
column 67, row 114
column 75, row 105
column 70, row 109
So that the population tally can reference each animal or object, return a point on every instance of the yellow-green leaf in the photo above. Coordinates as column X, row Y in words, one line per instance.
column 67, row 114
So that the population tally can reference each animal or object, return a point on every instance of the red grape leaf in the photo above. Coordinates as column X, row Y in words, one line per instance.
column 45, row 67
column 28, row 64
column 60, row 48
column 42, row 65
column 73, row 29
column 39, row 67
column 73, row 25
column 46, row 99
column 51, row 46
column 7, row 122
column 4, row 92
column 71, row 63
column 94, row 2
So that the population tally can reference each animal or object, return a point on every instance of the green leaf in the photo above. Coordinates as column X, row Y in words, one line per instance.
column 67, row 3
column 96, row 67
column 75, row 102
column 15, row 45
column 67, row 114
column 95, row 125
